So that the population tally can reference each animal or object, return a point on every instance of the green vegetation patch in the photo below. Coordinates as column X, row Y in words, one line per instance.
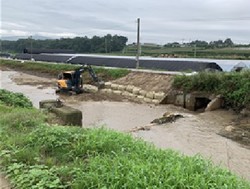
column 14, row 99
column 36, row 155
column 234, row 86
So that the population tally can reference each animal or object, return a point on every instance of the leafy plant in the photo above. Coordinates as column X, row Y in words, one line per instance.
column 14, row 99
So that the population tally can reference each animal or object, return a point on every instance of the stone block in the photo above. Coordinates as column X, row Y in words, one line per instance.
column 107, row 84
column 103, row 90
column 214, row 104
column 150, row 95
column 90, row 88
column 140, row 97
column 109, row 91
column 142, row 92
column 130, row 88
column 147, row 100
column 155, row 101
column 48, row 103
column 136, row 90
column 131, row 95
column 69, row 115
column 125, row 93
column 121, row 87
column 117, row 92
column 159, row 95
column 114, row 86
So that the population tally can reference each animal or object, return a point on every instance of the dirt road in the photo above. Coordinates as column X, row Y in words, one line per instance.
column 195, row 133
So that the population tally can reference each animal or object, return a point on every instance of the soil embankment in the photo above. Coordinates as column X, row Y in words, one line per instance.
column 195, row 133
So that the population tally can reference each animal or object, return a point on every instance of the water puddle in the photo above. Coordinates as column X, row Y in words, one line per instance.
column 32, row 92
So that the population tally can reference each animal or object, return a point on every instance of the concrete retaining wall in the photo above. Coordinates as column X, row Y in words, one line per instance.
column 134, row 93
column 69, row 115
column 195, row 100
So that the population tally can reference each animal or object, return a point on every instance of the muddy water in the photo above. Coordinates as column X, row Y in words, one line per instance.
column 121, row 116
column 32, row 92
column 195, row 133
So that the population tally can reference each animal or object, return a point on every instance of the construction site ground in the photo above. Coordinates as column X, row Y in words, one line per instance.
column 210, row 134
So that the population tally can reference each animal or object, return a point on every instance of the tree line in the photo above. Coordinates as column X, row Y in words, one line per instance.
column 212, row 44
column 105, row 44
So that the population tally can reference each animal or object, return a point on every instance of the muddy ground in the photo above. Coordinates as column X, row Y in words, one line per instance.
column 195, row 133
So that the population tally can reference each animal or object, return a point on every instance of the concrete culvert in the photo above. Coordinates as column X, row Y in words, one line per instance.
column 201, row 103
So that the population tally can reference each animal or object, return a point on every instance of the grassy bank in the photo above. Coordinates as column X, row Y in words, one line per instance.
column 34, row 154
column 234, row 86
column 55, row 69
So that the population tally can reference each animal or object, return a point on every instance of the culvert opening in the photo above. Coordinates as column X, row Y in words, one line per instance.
column 201, row 103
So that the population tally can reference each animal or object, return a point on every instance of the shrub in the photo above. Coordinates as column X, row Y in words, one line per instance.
column 14, row 99
column 235, row 87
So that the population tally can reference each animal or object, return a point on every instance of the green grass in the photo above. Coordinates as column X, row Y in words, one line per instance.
column 14, row 99
column 34, row 154
column 55, row 69
column 188, row 52
column 234, row 86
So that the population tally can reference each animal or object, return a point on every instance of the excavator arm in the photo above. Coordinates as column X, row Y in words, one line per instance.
column 92, row 73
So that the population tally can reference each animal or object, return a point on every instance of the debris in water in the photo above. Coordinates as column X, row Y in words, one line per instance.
column 167, row 118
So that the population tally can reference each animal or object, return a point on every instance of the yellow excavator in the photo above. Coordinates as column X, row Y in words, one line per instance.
column 71, row 82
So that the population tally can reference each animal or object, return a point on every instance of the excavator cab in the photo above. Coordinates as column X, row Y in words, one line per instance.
column 71, row 81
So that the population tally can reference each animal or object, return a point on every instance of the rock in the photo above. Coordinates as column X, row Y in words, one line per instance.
column 150, row 95
column 125, row 93
column 114, row 86
column 159, row 95
column 103, row 90
column 155, row 101
column 107, row 84
column 147, row 100
column 142, row 92
column 117, row 92
column 140, row 97
column 121, row 87
column 131, row 95
column 214, row 104
column 229, row 128
column 90, row 88
column 130, row 88
column 136, row 90
column 109, row 91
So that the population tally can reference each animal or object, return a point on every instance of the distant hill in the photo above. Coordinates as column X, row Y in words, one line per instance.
column 15, row 38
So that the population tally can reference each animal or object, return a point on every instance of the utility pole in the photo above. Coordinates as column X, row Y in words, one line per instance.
column 195, row 51
column 106, row 45
column 31, row 46
column 138, row 43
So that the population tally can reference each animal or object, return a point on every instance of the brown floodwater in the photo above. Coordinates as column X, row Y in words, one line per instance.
column 193, row 134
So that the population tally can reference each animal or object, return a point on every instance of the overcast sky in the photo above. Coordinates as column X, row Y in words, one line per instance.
column 162, row 21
